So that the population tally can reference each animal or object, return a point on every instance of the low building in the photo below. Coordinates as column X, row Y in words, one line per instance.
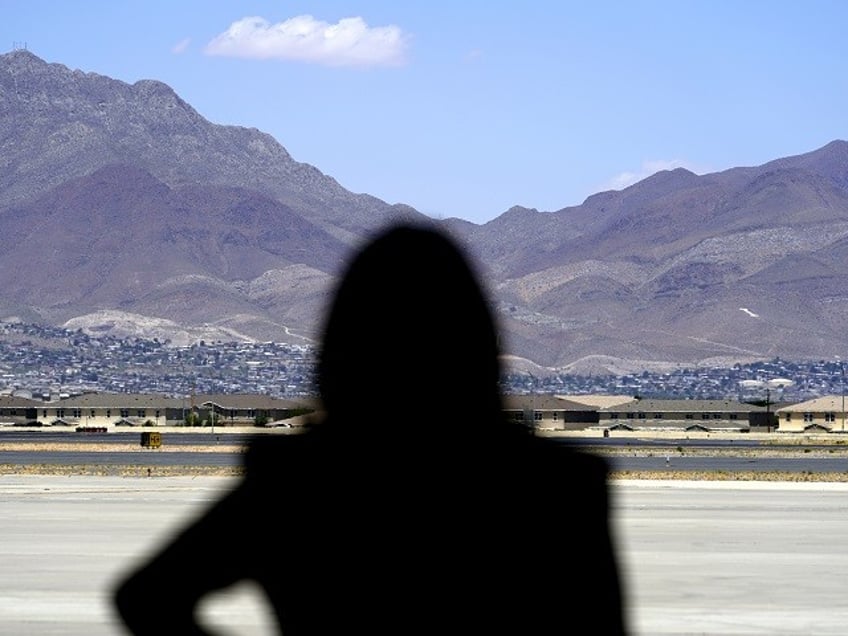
column 249, row 409
column 549, row 412
column 99, row 410
column 18, row 411
column 687, row 415
column 825, row 413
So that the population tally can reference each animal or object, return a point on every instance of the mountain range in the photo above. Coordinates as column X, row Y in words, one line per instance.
column 126, row 212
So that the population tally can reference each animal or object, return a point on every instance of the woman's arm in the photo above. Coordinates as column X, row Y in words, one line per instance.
column 210, row 554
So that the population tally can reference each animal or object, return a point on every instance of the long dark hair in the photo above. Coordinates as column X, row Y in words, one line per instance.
column 410, row 328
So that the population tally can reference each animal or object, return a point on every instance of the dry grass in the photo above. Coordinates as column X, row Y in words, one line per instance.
column 723, row 475
column 120, row 470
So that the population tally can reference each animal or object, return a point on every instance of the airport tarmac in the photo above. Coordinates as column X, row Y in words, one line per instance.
column 705, row 557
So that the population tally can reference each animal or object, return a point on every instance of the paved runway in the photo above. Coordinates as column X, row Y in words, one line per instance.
column 726, row 558
column 714, row 558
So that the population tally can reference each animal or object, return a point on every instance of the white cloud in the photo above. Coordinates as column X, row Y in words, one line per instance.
column 349, row 42
column 648, row 168
column 181, row 46
column 473, row 55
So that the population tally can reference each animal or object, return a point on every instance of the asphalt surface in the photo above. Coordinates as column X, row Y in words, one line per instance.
column 717, row 558
column 22, row 450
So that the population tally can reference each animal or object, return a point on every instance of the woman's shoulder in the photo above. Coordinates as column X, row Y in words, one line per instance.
column 562, row 457
column 265, row 452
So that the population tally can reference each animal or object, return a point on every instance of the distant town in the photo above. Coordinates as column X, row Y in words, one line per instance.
column 45, row 363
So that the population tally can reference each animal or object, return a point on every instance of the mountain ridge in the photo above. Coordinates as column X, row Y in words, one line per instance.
column 123, row 199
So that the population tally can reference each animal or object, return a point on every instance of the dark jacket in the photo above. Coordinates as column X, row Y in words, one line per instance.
column 486, row 537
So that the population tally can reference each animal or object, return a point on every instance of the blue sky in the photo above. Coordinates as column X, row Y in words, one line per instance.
column 466, row 108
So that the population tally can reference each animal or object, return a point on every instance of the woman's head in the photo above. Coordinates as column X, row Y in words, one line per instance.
column 409, row 327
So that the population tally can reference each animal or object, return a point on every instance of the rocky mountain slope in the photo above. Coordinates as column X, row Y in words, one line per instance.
column 123, row 208
column 744, row 264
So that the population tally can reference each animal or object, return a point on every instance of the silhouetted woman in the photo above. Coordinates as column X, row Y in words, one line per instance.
column 414, row 507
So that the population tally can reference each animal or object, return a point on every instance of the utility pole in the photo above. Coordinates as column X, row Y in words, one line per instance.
column 842, row 370
column 842, row 389
column 768, row 409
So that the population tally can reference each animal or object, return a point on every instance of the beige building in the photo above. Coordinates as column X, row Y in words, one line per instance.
column 107, row 410
column 550, row 412
column 820, row 414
